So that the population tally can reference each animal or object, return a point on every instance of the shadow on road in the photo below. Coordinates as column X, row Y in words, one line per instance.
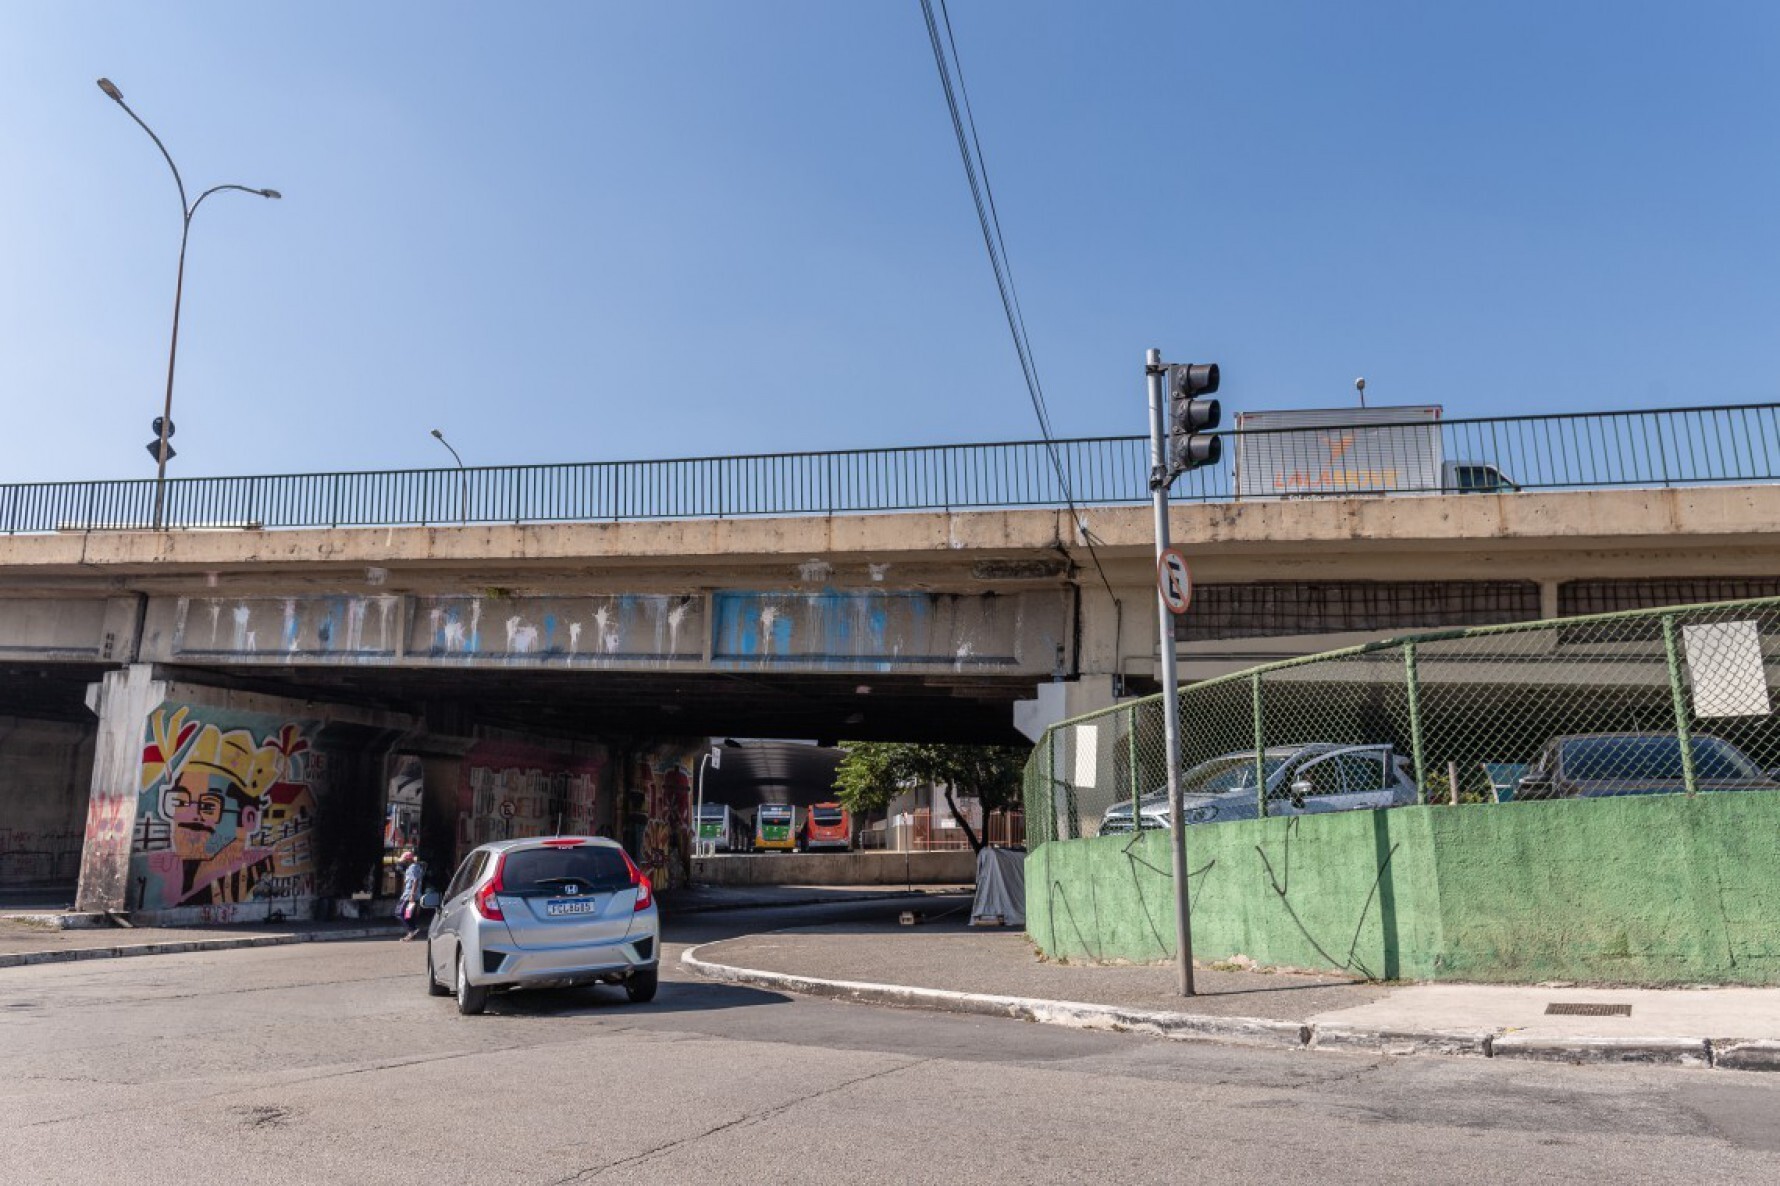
column 674, row 997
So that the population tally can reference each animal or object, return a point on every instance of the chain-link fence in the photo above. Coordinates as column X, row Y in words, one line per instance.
column 1677, row 700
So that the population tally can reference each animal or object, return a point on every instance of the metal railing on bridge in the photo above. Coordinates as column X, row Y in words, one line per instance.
column 1590, row 450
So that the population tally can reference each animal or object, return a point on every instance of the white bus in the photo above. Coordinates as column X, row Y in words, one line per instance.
column 720, row 829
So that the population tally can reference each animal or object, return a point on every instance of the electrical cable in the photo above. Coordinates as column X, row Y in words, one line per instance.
column 983, row 197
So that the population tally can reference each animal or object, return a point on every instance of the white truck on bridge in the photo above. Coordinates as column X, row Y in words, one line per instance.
column 1281, row 454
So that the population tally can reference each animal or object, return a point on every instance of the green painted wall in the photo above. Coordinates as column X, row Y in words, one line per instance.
column 1648, row 889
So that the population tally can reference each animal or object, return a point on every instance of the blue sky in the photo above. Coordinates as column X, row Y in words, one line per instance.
column 583, row 231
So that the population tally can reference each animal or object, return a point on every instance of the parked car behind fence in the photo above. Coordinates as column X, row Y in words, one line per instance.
column 1301, row 780
column 1589, row 765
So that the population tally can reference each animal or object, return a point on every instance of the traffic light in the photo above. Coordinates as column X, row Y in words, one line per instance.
column 154, row 446
column 1192, row 417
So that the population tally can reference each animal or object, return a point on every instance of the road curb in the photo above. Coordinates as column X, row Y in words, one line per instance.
column 22, row 959
column 669, row 910
column 1721, row 1053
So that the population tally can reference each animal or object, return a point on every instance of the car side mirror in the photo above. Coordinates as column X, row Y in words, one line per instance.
column 1300, row 788
column 429, row 900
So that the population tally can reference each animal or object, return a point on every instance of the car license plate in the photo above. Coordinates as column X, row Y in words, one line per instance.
column 557, row 909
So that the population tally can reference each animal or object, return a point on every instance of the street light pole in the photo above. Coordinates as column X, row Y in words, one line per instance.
column 187, row 210
column 463, row 477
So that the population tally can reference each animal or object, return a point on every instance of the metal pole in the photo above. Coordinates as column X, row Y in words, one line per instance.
column 1177, row 831
column 1678, row 698
column 186, row 212
column 167, row 406
column 463, row 477
column 698, row 812
column 1412, row 685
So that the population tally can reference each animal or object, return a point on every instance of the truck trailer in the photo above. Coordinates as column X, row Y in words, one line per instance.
column 1324, row 451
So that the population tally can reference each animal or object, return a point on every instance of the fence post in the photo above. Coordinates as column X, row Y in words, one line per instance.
column 1260, row 749
column 1678, row 696
column 1412, row 684
column 1132, row 769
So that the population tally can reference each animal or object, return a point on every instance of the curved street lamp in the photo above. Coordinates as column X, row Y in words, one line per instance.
column 463, row 476
column 187, row 209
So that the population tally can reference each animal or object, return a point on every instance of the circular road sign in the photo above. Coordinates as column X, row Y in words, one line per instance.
column 1173, row 579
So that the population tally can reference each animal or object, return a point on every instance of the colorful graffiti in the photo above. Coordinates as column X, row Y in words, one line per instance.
column 226, row 813
column 512, row 791
column 659, row 813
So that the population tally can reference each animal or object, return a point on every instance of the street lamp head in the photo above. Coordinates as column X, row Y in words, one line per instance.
column 438, row 434
column 269, row 193
column 111, row 91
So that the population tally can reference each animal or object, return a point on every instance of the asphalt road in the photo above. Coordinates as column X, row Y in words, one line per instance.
column 329, row 1063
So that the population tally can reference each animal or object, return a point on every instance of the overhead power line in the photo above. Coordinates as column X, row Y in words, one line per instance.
column 976, row 171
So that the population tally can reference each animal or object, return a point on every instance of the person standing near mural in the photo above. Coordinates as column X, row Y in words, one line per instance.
column 408, row 905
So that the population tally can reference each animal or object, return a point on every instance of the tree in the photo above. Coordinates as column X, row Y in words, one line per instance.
column 874, row 772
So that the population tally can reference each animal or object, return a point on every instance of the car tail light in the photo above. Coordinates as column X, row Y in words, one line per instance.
column 645, row 891
column 486, row 906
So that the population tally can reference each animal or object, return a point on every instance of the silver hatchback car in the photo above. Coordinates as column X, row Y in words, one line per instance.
column 547, row 912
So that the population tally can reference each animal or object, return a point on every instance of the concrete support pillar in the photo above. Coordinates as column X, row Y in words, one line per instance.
column 1548, row 598
column 1061, row 701
column 122, row 702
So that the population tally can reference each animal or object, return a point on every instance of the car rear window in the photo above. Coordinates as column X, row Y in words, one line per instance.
column 547, row 870
column 826, row 816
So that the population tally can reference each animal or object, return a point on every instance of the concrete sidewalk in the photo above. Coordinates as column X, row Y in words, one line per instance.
column 941, row 963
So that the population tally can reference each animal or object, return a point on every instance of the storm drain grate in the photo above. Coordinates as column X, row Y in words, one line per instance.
column 1586, row 1009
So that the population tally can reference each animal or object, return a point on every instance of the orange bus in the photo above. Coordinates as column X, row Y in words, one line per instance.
column 826, row 825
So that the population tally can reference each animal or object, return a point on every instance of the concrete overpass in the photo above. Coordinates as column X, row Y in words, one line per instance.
column 915, row 625
column 563, row 675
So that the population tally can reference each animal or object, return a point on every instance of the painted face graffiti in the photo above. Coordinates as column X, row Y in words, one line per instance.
column 213, row 789
column 207, row 820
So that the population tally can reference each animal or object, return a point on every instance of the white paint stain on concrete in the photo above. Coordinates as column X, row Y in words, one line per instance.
column 522, row 636
column 385, row 607
column 815, row 569
column 355, row 625
column 878, row 571
column 475, row 622
column 676, row 616
column 215, row 621
column 290, row 624
column 242, row 615
column 769, row 615
column 964, row 653
column 605, row 636
column 574, row 637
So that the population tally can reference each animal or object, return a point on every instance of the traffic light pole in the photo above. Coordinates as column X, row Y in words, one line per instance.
column 1177, row 831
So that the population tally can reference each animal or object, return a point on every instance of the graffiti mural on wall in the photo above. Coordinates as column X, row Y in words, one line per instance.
column 227, row 812
column 659, row 813
column 512, row 791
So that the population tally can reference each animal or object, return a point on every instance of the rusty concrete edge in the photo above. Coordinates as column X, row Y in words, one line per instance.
column 1746, row 1054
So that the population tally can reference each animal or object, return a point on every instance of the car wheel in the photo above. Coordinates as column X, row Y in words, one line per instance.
column 433, row 987
column 640, row 986
column 470, row 999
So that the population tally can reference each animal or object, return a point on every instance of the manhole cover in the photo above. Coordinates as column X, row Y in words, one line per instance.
column 1586, row 1009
